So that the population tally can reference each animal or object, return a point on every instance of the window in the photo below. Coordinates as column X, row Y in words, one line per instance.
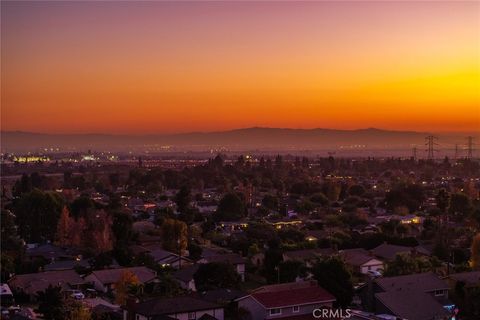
column 192, row 316
column 275, row 311
column 296, row 309
column 439, row 293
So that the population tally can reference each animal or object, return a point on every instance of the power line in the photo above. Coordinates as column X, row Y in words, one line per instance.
column 470, row 147
column 430, row 143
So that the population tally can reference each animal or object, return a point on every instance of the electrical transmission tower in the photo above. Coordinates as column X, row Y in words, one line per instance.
column 430, row 143
column 470, row 147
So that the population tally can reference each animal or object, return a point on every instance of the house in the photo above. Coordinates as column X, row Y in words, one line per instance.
column 182, row 308
column 232, row 258
column 66, row 265
column 388, row 252
column 185, row 277
column 307, row 256
column 361, row 261
column 470, row 279
column 49, row 252
column 104, row 280
column 286, row 300
column 32, row 283
column 6, row 295
column 167, row 258
column 413, row 297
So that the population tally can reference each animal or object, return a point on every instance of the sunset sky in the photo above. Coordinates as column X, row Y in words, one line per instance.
column 153, row 67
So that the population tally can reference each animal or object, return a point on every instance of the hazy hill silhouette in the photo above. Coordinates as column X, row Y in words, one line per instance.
column 238, row 139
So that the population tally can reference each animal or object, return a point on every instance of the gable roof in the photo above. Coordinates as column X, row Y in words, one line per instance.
column 31, row 283
column 232, row 258
column 357, row 257
column 412, row 305
column 166, row 306
column 109, row 276
column 422, row 282
column 186, row 274
column 291, row 294
column 307, row 254
column 389, row 251
column 471, row 278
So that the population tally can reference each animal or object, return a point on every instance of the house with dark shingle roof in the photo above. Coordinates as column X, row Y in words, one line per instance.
column 104, row 280
column 232, row 258
column 32, row 283
column 413, row 297
column 286, row 300
column 185, row 277
column 361, row 261
column 184, row 307
column 388, row 252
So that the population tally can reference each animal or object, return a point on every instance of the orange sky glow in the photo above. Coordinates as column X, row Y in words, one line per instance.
column 152, row 67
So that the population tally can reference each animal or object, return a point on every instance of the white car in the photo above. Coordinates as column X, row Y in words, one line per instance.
column 78, row 296
column 374, row 273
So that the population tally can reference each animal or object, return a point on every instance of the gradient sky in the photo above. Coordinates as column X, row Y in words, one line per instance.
column 146, row 67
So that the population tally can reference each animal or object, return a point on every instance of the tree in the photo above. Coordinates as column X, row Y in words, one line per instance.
column 79, row 312
column 476, row 252
column 37, row 215
column 51, row 303
column 216, row 275
column 183, row 199
column 174, row 235
column 270, row 202
column 273, row 257
column 124, row 285
column 290, row 270
column 332, row 275
column 460, row 206
column 63, row 228
column 356, row 190
column 122, row 228
column 230, row 208
column 194, row 251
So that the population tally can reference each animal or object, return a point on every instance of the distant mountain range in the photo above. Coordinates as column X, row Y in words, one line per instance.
column 238, row 139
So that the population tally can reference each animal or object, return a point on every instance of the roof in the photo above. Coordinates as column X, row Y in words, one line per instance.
column 232, row 258
column 48, row 251
column 357, row 257
column 412, row 305
column 109, row 276
column 218, row 295
column 186, row 274
column 389, row 251
column 291, row 294
column 166, row 306
column 422, row 282
column 470, row 278
column 307, row 254
column 31, row 283
column 66, row 265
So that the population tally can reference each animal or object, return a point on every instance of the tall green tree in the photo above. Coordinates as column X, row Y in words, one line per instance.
column 333, row 275
column 230, row 208
column 37, row 214
column 216, row 275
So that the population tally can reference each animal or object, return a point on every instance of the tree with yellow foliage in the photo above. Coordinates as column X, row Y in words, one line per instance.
column 475, row 260
column 128, row 281
column 174, row 235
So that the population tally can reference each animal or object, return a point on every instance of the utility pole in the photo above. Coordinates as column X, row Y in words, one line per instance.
column 470, row 147
column 430, row 143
